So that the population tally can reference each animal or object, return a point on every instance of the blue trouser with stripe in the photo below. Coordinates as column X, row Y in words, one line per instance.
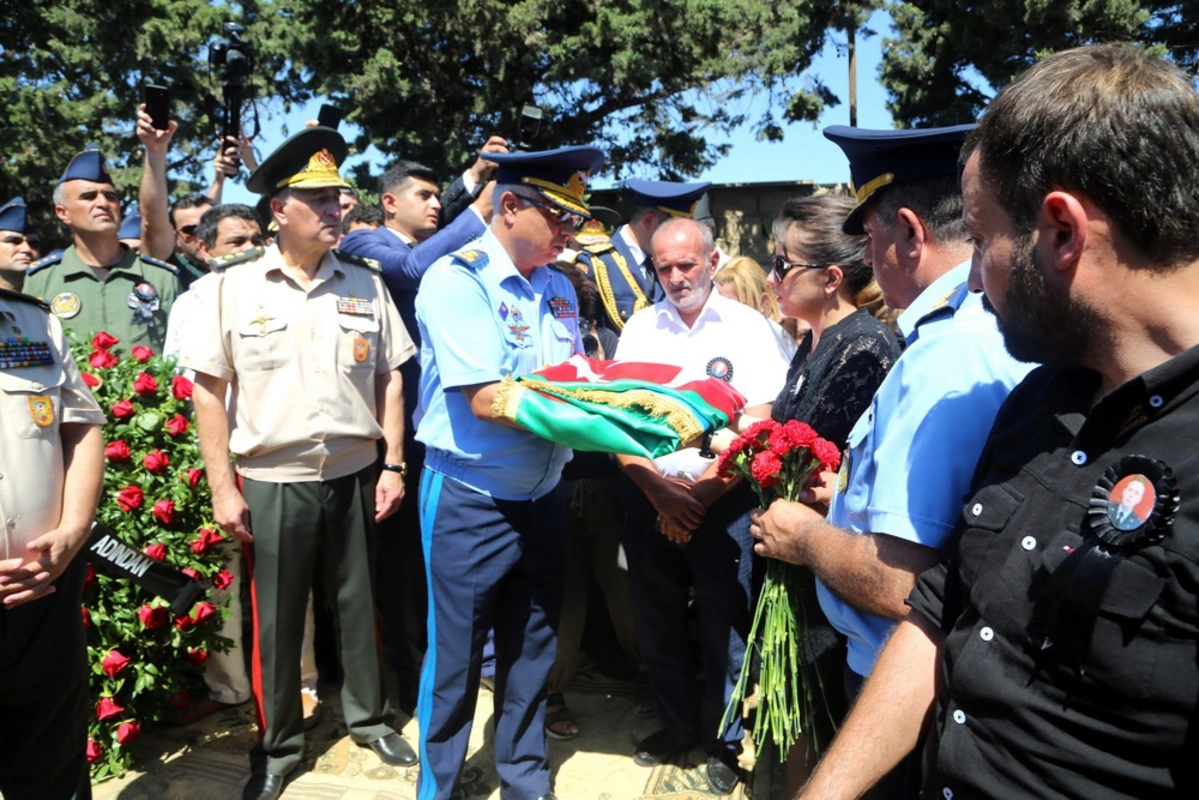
column 491, row 564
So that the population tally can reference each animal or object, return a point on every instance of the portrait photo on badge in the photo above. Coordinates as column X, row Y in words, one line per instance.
column 1131, row 502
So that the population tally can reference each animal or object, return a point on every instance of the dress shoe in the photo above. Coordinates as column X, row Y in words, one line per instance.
column 660, row 747
column 394, row 751
column 313, row 710
column 723, row 777
column 263, row 787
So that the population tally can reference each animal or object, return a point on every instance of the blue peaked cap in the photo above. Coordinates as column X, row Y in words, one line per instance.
column 131, row 227
column 672, row 197
column 880, row 158
column 559, row 175
column 13, row 216
column 87, row 166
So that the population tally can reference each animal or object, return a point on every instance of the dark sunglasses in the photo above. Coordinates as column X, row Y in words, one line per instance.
column 559, row 215
column 189, row 230
column 781, row 266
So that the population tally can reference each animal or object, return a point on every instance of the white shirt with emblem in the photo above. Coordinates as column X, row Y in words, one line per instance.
column 727, row 340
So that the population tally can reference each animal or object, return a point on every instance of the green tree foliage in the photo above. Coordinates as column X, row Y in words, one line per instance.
column 949, row 57
column 648, row 79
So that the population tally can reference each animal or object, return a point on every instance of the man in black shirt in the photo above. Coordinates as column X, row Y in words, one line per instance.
column 1055, row 643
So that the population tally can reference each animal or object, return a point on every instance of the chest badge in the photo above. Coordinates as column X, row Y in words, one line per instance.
column 1133, row 504
column 503, row 311
column 261, row 322
column 843, row 475
column 17, row 353
column 562, row 308
column 720, row 368
column 41, row 409
column 66, row 305
column 355, row 306
column 518, row 330
column 362, row 349
column 144, row 302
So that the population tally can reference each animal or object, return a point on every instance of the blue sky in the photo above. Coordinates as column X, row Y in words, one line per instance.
column 804, row 154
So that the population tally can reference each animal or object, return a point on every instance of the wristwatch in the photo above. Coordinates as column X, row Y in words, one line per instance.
column 400, row 468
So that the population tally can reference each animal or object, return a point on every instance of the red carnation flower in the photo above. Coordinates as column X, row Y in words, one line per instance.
column 191, row 573
column 181, row 387
column 179, row 700
column 128, row 731
column 94, row 751
column 113, row 663
column 753, row 434
column 779, row 441
column 104, row 341
column 801, row 434
column 91, row 380
column 152, row 617
column 156, row 462
column 144, row 384
column 184, row 623
column 117, row 452
column 177, row 425
column 158, row 552
column 107, row 709
column 130, row 498
column 197, row 657
column 164, row 512
column 89, row 578
column 192, row 477
column 102, row 359
column 141, row 353
column 123, row 409
column 828, row 453
column 765, row 468
column 204, row 611
column 222, row 579
column 87, row 616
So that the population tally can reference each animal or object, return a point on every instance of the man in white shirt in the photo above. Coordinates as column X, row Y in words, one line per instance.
column 707, row 335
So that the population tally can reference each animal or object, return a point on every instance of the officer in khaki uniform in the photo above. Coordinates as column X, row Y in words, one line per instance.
column 98, row 283
column 51, row 471
column 310, row 343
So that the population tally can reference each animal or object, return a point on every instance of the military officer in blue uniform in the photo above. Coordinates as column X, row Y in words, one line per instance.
column 98, row 283
column 910, row 458
column 622, row 268
column 490, row 499
column 18, row 244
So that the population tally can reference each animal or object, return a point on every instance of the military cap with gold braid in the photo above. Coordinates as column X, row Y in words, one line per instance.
column 560, row 176
column 670, row 197
column 306, row 160
column 879, row 158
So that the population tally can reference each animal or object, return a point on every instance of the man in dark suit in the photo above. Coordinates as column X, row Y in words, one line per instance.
column 466, row 187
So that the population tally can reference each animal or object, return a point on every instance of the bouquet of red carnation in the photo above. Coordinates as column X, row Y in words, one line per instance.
column 777, row 459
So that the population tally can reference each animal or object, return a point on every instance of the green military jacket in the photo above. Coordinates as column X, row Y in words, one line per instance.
column 131, row 303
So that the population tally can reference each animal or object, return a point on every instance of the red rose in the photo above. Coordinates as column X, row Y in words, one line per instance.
column 91, row 380
column 207, row 538
column 197, row 657
column 222, row 579
column 191, row 573
column 102, row 359
column 113, row 663
column 177, row 425
column 145, row 384
column 192, row 477
column 94, row 751
column 765, row 468
column 107, row 709
column 87, row 616
column 128, row 731
column 204, row 611
column 156, row 462
column 828, row 453
column 152, row 617
column 184, row 623
column 158, row 552
column 104, row 341
column 801, row 434
column 141, row 353
column 130, row 498
column 199, row 546
column 117, row 452
column 89, row 579
column 164, row 512
column 179, row 700
column 181, row 387
column 123, row 409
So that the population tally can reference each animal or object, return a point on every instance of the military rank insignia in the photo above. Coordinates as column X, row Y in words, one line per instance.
column 562, row 308
column 41, row 409
column 21, row 352
column 362, row 349
column 355, row 306
column 503, row 311
column 66, row 305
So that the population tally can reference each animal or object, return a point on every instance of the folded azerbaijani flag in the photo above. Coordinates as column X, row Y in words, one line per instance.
column 629, row 407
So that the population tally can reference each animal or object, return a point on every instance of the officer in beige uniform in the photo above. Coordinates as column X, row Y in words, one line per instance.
column 310, row 344
column 51, row 471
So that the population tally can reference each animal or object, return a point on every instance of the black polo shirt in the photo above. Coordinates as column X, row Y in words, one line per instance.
column 1022, row 708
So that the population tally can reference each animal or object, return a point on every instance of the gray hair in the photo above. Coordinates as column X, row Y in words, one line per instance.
column 705, row 233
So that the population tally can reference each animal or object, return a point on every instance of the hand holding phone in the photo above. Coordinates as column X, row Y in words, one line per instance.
column 158, row 106
column 330, row 116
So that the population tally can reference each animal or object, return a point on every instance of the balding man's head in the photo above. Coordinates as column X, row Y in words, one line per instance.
column 685, row 257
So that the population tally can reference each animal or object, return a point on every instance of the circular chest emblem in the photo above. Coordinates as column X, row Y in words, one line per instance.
column 721, row 368
column 66, row 305
column 1134, row 503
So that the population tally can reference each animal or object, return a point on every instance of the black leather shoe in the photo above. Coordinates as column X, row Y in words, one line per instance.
column 660, row 747
column 394, row 751
column 263, row 787
column 722, row 777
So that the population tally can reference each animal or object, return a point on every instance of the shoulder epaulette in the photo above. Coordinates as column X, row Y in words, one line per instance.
column 471, row 257
column 224, row 262
column 362, row 261
column 942, row 306
column 24, row 298
column 171, row 268
column 599, row 247
column 45, row 261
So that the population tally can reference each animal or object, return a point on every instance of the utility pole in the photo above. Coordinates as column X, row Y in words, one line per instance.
column 853, row 77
